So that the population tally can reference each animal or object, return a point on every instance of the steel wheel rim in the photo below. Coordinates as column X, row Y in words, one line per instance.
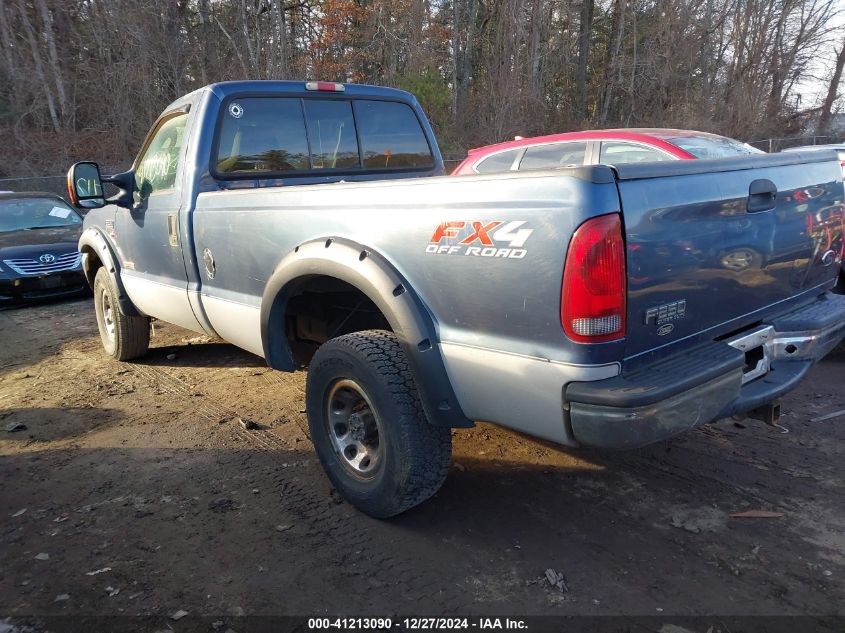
column 354, row 429
column 108, row 314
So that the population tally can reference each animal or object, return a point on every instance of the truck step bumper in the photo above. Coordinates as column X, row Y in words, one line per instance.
column 707, row 383
column 630, row 427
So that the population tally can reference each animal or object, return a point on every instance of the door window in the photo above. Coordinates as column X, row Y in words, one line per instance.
column 619, row 152
column 553, row 155
column 156, row 169
column 497, row 162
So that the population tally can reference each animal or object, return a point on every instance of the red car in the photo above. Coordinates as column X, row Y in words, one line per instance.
column 609, row 147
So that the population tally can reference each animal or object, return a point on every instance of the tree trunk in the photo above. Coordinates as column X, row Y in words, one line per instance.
column 832, row 92
column 417, row 19
column 456, row 12
column 39, row 66
column 6, row 41
column 253, row 65
column 584, row 30
column 281, row 32
column 202, row 12
column 53, row 56
column 234, row 47
column 612, row 59
column 707, row 53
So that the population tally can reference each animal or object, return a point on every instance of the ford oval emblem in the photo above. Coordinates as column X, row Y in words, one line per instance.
column 665, row 329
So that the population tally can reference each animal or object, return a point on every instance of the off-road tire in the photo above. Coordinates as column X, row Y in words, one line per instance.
column 124, row 337
column 416, row 455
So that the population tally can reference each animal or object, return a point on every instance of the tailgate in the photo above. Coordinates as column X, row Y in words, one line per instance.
column 716, row 245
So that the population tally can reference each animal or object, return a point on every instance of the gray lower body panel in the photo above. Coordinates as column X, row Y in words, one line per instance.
column 520, row 392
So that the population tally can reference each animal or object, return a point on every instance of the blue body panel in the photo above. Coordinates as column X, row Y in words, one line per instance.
column 691, row 238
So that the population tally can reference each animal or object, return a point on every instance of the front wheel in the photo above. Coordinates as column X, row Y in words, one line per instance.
column 124, row 337
column 368, row 425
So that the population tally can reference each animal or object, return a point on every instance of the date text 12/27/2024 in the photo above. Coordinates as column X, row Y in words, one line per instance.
column 416, row 624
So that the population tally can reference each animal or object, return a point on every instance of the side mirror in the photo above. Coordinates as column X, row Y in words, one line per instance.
column 85, row 186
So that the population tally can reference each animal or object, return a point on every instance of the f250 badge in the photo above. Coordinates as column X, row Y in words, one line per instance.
column 481, row 239
column 665, row 314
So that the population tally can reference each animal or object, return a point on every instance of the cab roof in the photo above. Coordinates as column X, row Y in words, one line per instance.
column 226, row 89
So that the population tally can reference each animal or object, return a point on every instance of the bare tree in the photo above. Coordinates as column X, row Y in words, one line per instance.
column 832, row 93
column 95, row 73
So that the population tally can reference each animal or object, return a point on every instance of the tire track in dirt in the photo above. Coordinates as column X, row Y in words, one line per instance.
column 342, row 540
column 289, row 391
column 205, row 407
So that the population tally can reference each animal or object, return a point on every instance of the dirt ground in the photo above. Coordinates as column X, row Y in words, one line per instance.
column 135, row 490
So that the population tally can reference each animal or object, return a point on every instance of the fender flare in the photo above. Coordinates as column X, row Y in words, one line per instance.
column 379, row 280
column 93, row 242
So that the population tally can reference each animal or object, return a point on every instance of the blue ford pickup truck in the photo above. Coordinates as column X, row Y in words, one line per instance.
column 308, row 223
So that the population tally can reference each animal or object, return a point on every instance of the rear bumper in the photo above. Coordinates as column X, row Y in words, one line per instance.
column 706, row 383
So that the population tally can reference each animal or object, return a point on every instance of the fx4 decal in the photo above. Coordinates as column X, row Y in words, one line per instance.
column 481, row 239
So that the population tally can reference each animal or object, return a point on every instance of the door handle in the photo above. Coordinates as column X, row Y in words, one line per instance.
column 172, row 230
column 762, row 196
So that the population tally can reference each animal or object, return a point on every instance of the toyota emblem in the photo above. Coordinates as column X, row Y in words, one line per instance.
column 46, row 258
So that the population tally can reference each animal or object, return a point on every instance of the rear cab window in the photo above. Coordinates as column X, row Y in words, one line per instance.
column 279, row 135
column 262, row 135
column 331, row 128
column 391, row 136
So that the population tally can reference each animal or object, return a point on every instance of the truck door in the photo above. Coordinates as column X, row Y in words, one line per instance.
column 148, row 238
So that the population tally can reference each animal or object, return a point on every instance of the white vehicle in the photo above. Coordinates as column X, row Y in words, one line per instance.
column 838, row 147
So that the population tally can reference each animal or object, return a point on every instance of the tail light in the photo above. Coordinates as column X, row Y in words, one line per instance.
column 325, row 86
column 592, row 298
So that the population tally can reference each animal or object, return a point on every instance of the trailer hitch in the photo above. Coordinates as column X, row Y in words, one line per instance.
column 768, row 413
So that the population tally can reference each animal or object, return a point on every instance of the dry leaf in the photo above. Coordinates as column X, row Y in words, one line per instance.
column 756, row 514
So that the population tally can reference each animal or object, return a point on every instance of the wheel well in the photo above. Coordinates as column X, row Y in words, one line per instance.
column 94, row 263
column 321, row 308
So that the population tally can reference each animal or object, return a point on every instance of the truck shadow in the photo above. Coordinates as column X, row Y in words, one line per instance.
column 203, row 354
column 32, row 425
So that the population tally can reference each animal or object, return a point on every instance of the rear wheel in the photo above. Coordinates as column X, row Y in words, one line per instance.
column 124, row 337
column 368, row 425
column 743, row 258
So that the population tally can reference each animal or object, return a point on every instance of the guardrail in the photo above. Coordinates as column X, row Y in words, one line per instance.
column 51, row 184
column 778, row 144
